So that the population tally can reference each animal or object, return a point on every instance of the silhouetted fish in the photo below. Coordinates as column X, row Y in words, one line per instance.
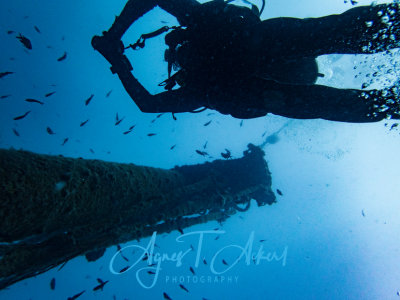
column 227, row 154
column 4, row 96
column 183, row 288
column 204, row 261
column 76, row 296
column 37, row 29
column 23, row 116
column 10, row 31
column 151, row 272
column 49, row 94
column 108, row 94
column 15, row 132
column 166, row 296
column 128, row 131
column 3, row 74
column 63, row 57
column 224, row 262
column 33, row 101
column 205, row 145
column 279, row 192
column 151, row 134
column 172, row 147
column 83, row 123
column 49, row 131
column 180, row 230
column 89, row 99
column 394, row 126
column 202, row 153
column 53, row 283
column 208, row 123
column 131, row 128
column 65, row 141
column 91, row 150
column 124, row 269
column 119, row 121
column 362, row 212
column 191, row 270
column 25, row 41
column 101, row 285
column 65, row 262
column 241, row 123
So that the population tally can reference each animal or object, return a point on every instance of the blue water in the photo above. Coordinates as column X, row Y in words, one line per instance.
column 334, row 230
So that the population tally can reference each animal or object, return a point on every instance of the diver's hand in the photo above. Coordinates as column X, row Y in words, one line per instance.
column 112, row 50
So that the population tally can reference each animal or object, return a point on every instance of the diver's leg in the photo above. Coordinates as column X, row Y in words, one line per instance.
column 344, row 105
column 364, row 29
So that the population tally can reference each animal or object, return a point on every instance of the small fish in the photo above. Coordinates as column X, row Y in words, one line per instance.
column 53, row 283
column 362, row 212
column 91, row 150
column 173, row 116
column 204, row 261
column 37, row 29
column 63, row 57
column 166, row 296
column 208, row 123
column 65, row 262
column 210, row 114
column 158, row 116
column 264, row 134
column 224, row 262
column 76, row 296
column 131, row 128
column 279, row 192
column 49, row 94
column 15, row 132
column 101, row 285
column 202, row 153
column 146, row 257
column 124, row 269
column 120, row 252
column 151, row 272
column 180, row 230
column 33, row 101
column 65, row 141
column 23, row 116
column 108, row 94
column 119, row 121
column 89, row 99
column 151, row 134
column 172, row 147
column 241, row 123
column 4, row 96
column 191, row 247
column 183, row 288
column 116, row 117
column 10, row 31
column 205, row 145
column 217, row 237
column 3, row 74
column 227, row 154
column 49, row 131
column 25, row 41
column 83, row 123
column 191, row 270
column 394, row 126
column 261, row 241
column 128, row 131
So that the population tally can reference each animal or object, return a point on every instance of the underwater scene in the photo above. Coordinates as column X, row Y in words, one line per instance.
column 183, row 149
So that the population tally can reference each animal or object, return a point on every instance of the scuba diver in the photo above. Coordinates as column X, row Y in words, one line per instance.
column 228, row 60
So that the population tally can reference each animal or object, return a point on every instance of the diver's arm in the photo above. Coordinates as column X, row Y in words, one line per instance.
column 134, row 9
column 174, row 101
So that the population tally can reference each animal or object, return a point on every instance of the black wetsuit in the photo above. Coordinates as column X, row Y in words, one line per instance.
column 248, row 68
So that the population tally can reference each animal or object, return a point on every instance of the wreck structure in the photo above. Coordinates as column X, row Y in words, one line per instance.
column 54, row 208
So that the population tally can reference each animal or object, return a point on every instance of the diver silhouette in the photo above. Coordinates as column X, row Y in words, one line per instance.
column 228, row 60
